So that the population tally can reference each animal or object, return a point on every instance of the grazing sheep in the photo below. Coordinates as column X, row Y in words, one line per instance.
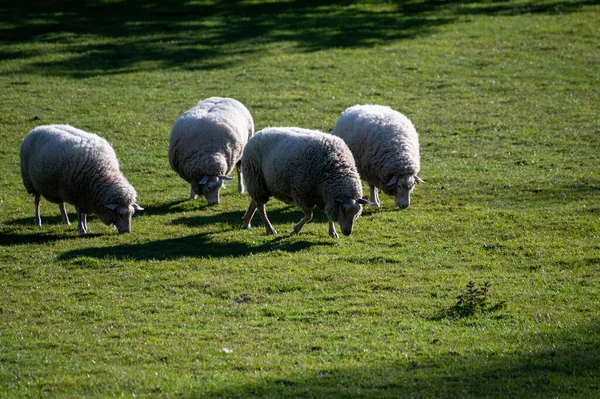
column 303, row 167
column 206, row 143
column 385, row 146
column 65, row 164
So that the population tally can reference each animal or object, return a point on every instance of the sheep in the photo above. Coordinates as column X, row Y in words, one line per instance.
column 303, row 167
column 67, row 165
column 206, row 143
column 385, row 146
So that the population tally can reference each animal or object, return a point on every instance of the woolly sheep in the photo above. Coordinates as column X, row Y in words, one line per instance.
column 303, row 167
column 385, row 146
column 65, row 164
column 206, row 143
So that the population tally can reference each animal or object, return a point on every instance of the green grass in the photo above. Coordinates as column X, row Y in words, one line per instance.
column 505, row 96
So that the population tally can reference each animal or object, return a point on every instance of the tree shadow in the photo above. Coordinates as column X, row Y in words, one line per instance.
column 136, row 35
column 196, row 246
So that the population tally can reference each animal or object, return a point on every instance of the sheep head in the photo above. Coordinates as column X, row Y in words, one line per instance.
column 119, row 215
column 210, row 186
column 401, row 187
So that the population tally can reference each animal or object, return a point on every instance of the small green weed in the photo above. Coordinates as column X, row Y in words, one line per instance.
column 474, row 300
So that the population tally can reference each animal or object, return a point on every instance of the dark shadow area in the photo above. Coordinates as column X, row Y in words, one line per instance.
column 8, row 239
column 141, row 35
column 177, row 206
column 46, row 220
column 277, row 216
column 197, row 246
column 566, row 364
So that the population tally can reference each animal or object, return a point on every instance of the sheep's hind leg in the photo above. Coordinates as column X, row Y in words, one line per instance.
column 248, row 215
column 375, row 196
column 81, row 221
column 308, row 214
column 240, row 180
column 38, row 217
column 263, row 215
column 63, row 213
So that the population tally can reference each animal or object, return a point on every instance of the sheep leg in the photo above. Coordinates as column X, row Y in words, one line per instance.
column 193, row 194
column 375, row 196
column 308, row 214
column 263, row 215
column 63, row 213
column 332, row 232
column 239, row 176
column 248, row 215
column 81, row 221
column 38, row 217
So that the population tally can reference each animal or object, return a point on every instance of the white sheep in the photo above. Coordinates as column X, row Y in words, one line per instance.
column 207, row 142
column 65, row 164
column 385, row 146
column 303, row 167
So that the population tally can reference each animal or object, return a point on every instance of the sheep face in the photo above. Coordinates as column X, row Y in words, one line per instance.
column 401, row 187
column 119, row 215
column 344, row 211
column 210, row 187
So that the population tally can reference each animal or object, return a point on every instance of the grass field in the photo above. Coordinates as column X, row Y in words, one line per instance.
column 505, row 96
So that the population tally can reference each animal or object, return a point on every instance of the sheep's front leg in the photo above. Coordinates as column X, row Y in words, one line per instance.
column 239, row 176
column 375, row 196
column 248, row 215
column 81, row 221
column 63, row 213
column 193, row 194
column 308, row 214
column 263, row 215
column 332, row 232
column 38, row 217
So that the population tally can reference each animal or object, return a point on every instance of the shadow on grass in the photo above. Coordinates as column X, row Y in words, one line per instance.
column 108, row 37
column 183, row 205
column 8, row 239
column 196, row 246
column 278, row 216
column 565, row 363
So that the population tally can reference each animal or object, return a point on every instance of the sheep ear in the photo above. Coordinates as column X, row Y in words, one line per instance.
column 419, row 180
column 393, row 181
column 362, row 201
column 112, row 207
column 203, row 180
column 226, row 178
column 137, row 207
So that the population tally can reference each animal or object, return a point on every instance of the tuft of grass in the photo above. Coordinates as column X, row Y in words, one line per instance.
column 474, row 300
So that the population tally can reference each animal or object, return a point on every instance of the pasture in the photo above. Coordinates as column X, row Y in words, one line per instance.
column 505, row 96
